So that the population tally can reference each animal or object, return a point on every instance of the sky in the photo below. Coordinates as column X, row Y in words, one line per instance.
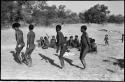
column 115, row 7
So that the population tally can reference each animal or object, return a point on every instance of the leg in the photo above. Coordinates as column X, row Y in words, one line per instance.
column 107, row 43
column 57, row 49
column 82, row 56
column 81, row 53
column 63, row 50
column 29, row 59
column 18, row 50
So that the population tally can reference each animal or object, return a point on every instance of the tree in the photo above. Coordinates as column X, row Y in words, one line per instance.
column 96, row 14
column 116, row 19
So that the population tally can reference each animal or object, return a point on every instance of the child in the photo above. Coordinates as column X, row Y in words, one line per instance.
column 61, row 43
column 66, row 40
column 93, row 46
column 30, row 45
column 66, row 44
column 106, row 39
column 53, row 42
column 85, row 45
column 70, row 42
column 46, row 43
column 19, row 38
column 41, row 41
column 76, row 42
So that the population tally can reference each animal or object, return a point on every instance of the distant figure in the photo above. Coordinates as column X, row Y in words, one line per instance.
column 93, row 46
column 30, row 44
column 61, row 43
column 85, row 45
column 76, row 42
column 40, row 42
column 66, row 44
column 122, row 38
column 46, row 43
column 66, row 40
column 71, row 42
column 106, row 39
column 53, row 42
column 62, row 24
column 19, row 39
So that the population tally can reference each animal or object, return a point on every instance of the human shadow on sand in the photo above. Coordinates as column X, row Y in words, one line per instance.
column 51, row 61
column 101, row 44
column 70, row 62
column 14, row 57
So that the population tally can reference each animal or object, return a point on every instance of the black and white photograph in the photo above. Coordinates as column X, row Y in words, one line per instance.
column 62, row 40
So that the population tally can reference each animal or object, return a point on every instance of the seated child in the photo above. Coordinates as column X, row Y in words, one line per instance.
column 40, row 42
column 66, row 40
column 46, row 43
column 76, row 42
column 53, row 42
column 71, row 42
column 93, row 46
column 66, row 44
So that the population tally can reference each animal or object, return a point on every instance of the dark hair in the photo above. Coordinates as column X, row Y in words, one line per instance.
column 45, row 37
column 76, row 35
column 16, row 25
column 58, row 27
column 65, row 37
column 53, row 36
column 93, row 40
column 31, row 27
column 84, row 27
column 71, row 36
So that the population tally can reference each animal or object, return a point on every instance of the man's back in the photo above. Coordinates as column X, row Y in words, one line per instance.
column 31, row 37
column 19, row 36
column 60, row 38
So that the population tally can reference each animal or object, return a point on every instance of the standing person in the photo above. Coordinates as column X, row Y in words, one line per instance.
column 122, row 38
column 30, row 45
column 61, row 43
column 85, row 45
column 106, row 39
column 20, row 42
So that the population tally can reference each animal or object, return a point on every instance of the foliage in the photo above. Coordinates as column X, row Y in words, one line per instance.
column 116, row 19
column 97, row 14
column 39, row 13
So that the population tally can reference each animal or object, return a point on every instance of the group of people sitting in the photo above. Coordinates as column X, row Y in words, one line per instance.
column 44, row 43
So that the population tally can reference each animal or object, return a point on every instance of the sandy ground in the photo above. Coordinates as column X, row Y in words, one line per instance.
column 96, row 69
